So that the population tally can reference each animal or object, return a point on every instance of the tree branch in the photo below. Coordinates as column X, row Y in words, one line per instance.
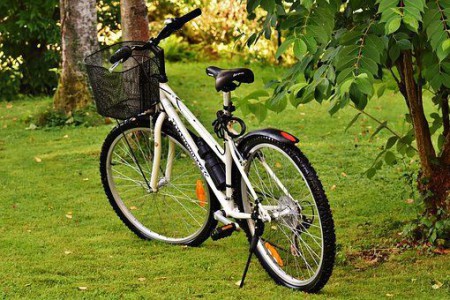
column 395, row 77
column 446, row 122
column 361, row 46
column 401, row 81
column 421, row 128
column 445, row 114
column 446, row 150
column 379, row 123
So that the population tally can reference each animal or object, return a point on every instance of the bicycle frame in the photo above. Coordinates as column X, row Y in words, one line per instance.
column 227, row 154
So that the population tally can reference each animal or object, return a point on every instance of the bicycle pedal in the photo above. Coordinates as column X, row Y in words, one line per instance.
column 223, row 232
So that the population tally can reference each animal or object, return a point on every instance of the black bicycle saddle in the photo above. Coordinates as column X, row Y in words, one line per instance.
column 226, row 78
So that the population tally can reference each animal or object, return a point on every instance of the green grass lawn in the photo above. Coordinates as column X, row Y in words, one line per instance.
column 59, row 238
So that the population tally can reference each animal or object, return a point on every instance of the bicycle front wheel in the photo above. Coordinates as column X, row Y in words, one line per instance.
column 297, row 247
column 181, row 211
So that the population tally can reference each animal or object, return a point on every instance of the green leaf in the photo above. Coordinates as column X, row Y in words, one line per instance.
column 331, row 74
column 401, row 147
column 411, row 22
column 252, row 5
column 384, row 5
column 435, row 22
column 294, row 89
column 268, row 5
column 381, row 90
column 322, row 90
column 300, row 48
column 446, row 46
column 251, row 40
column 394, row 52
column 390, row 158
column 259, row 110
column 345, row 87
column 293, row 92
column 357, row 97
column 244, row 107
column 370, row 173
column 433, row 236
column 271, row 83
column 368, row 64
column 391, row 142
column 404, row 44
column 410, row 151
column 311, row 43
column 283, row 47
column 277, row 103
column 355, row 118
column 363, row 84
column 344, row 75
column 393, row 25
column 257, row 94
column 417, row 4
column 379, row 128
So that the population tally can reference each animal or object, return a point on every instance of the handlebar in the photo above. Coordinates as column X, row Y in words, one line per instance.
column 190, row 16
column 174, row 24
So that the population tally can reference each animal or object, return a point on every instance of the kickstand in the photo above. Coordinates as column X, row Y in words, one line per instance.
column 259, row 228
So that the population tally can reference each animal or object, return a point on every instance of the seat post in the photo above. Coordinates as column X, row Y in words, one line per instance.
column 226, row 99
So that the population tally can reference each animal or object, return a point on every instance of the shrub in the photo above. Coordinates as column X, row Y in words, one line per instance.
column 176, row 49
column 86, row 117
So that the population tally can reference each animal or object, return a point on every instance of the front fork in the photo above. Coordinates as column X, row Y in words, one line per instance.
column 157, row 136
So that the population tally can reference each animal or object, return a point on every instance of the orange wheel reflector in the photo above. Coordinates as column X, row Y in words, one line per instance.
column 274, row 254
column 200, row 191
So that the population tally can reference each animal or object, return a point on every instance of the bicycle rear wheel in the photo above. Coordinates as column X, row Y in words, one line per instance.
column 181, row 211
column 297, row 248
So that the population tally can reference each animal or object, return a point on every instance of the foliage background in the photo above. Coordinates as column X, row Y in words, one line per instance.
column 30, row 38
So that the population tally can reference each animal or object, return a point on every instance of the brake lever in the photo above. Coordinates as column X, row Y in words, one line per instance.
column 168, row 21
column 111, row 69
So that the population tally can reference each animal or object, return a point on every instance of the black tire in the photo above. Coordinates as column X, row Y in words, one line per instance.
column 297, row 222
column 162, row 204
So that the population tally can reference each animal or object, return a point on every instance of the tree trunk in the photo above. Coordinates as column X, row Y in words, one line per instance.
column 444, row 185
column 79, row 38
column 439, row 198
column 446, row 150
column 134, row 20
column 445, row 119
column 434, row 180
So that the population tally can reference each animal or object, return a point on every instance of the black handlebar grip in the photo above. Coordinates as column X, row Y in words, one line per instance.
column 189, row 16
column 122, row 54
column 176, row 24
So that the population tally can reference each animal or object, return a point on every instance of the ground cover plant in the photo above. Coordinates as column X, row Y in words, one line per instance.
column 59, row 238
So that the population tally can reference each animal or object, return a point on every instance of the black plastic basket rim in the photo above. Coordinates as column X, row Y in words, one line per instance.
column 115, row 44
column 118, row 72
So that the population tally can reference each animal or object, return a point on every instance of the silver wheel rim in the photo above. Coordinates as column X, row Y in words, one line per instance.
column 179, row 211
column 299, row 278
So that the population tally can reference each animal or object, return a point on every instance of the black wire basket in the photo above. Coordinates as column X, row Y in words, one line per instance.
column 132, row 87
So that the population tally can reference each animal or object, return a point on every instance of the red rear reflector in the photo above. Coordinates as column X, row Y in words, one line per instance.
column 288, row 136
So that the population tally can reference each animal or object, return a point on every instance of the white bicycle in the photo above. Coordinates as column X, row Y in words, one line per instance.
column 170, row 183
